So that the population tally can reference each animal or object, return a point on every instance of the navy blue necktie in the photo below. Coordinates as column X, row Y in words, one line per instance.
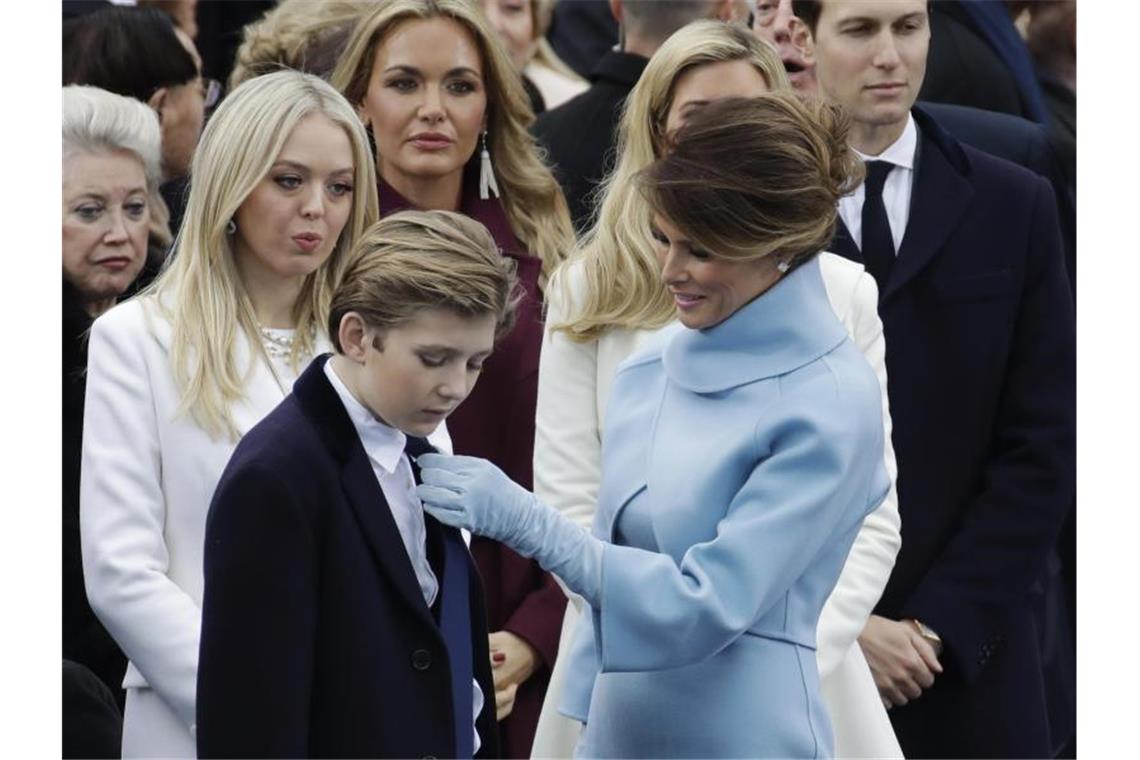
column 878, row 246
column 455, row 624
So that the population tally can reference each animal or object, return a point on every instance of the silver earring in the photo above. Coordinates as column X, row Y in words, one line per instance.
column 783, row 266
column 231, row 227
column 487, row 184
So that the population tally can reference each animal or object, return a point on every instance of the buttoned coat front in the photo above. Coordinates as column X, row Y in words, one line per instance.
column 574, row 388
column 316, row 641
column 981, row 350
column 752, row 451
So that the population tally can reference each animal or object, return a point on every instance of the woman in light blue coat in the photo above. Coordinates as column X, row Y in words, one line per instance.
column 741, row 452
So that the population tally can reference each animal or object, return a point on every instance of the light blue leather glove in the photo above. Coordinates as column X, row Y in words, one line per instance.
column 472, row 493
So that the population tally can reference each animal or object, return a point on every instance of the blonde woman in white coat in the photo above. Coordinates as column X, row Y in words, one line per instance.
column 283, row 185
column 606, row 300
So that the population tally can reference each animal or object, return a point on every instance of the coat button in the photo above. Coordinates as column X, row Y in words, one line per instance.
column 421, row 659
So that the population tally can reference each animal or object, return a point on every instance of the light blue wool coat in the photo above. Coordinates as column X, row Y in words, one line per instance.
column 744, row 458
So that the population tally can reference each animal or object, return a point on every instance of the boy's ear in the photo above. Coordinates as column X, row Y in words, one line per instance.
column 353, row 336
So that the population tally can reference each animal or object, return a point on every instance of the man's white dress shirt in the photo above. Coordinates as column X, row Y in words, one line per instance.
column 896, row 190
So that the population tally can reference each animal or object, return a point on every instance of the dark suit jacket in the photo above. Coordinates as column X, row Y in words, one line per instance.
column 980, row 337
column 316, row 641
column 579, row 135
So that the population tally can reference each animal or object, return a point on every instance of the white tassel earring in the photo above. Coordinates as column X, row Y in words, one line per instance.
column 487, row 184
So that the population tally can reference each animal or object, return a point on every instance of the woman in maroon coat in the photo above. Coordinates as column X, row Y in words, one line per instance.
column 449, row 119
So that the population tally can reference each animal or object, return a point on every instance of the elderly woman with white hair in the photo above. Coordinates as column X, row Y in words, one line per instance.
column 111, row 155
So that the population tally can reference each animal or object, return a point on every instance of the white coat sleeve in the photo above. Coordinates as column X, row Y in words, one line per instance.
column 567, row 437
column 877, row 543
column 122, row 515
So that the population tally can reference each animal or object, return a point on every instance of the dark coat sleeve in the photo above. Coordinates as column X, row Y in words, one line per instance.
column 1026, row 485
column 258, row 619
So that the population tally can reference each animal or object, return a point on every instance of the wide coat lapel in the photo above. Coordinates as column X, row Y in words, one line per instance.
column 375, row 518
column 320, row 403
column 942, row 192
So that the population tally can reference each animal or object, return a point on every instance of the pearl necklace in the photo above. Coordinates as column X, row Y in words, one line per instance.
column 278, row 343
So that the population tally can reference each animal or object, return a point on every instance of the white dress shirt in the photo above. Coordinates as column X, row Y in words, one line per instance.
column 896, row 190
column 385, row 448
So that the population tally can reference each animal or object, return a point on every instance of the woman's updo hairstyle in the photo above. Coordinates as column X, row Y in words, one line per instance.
column 749, row 177
column 306, row 35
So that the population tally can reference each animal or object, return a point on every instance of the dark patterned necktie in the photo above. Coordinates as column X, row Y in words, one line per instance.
column 878, row 245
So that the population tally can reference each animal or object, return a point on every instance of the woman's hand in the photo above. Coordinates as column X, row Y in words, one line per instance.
column 472, row 493
column 505, row 701
column 513, row 661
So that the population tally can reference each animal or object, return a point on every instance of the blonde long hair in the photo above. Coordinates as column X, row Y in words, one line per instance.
column 623, row 286
column 531, row 197
column 200, row 291
column 306, row 35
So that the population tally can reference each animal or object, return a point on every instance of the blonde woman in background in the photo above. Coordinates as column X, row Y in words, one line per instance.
column 306, row 35
column 449, row 121
column 608, row 299
column 522, row 26
column 283, row 186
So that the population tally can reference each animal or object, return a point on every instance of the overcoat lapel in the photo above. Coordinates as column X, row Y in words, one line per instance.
column 940, row 197
column 375, row 518
column 323, row 407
